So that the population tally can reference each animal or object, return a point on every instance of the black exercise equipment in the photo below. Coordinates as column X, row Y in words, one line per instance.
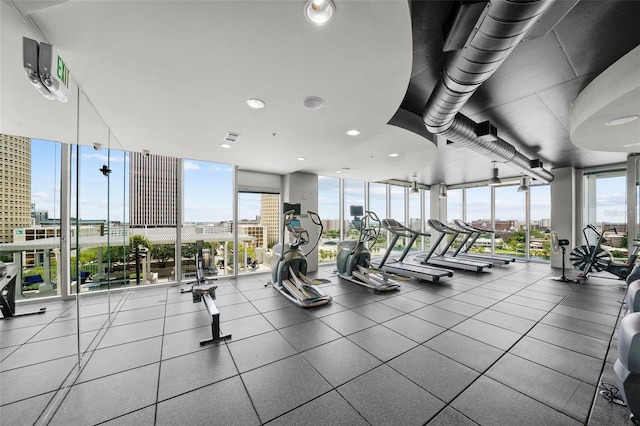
column 590, row 258
column 202, row 290
column 8, row 283
column 562, row 244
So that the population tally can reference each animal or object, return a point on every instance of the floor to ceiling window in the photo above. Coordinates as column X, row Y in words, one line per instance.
column 258, row 217
column 605, row 207
column 510, row 221
column 353, row 196
column 378, row 205
column 329, row 211
column 478, row 215
column 208, row 219
column 540, row 217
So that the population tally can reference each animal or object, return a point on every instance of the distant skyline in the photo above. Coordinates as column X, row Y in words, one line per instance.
column 208, row 192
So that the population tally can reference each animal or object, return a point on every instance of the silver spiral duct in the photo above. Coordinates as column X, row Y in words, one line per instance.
column 498, row 31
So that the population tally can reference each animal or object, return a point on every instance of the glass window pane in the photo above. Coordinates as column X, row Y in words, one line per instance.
column 540, row 216
column 510, row 223
column 454, row 205
column 353, row 196
column 208, row 217
column 478, row 214
column 378, row 205
column 329, row 211
column 259, row 217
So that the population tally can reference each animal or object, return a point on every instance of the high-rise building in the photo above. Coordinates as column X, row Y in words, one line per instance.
column 270, row 216
column 152, row 190
column 15, row 185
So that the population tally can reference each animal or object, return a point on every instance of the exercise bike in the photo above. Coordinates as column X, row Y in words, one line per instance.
column 289, row 262
column 589, row 258
column 354, row 256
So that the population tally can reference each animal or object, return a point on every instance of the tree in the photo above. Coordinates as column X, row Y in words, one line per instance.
column 163, row 253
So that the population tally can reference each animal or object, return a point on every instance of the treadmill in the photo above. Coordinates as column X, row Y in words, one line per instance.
column 399, row 266
column 441, row 259
column 472, row 233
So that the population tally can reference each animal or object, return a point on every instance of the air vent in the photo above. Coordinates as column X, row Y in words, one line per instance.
column 231, row 137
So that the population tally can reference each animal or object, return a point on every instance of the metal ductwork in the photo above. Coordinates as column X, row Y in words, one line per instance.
column 501, row 27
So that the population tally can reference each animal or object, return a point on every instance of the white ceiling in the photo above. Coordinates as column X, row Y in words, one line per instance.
column 172, row 77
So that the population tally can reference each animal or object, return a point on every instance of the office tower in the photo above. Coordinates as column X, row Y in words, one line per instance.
column 270, row 216
column 152, row 190
column 15, row 185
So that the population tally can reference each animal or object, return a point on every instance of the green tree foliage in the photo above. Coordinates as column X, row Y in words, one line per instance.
column 163, row 253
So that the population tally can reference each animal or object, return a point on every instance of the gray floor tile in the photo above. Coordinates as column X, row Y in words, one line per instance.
column 282, row 386
column 568, row 339
column 46, row 350
column 438, row 316
column 402, row 303
column 475, row 299
column 137, row 315
column 259, row 350
column 103, row 399
column 115, row 359
column 184, row 342
column 66, row 328
column 531, row 293
column 326, row 309
column 340, row 361
column 184, row 306
column 25, row 412
column 491, row 403
column 585, row 315
column 449, row 417
column 192, row 371
column 487, row 333
column 470, row 352
column 385, row 397
column 309, row 334
column 27, row 382
column 242, row 328
column 347, row 322
column 459, row 307
column 540, row 383
column 144, row 416
column 378, row 312
column 223, row 403
column 424, row 296
column 530, row 302
column 328, row 410
column 438, row 374
column 19, row 336
column 414, row 328
column 491, row 294
column 353, row 300
column 288, row 316
column 571, row 363
column 272, row 303
column 519, row 311
column 382, row 342
column 506, row 321
column 132, row 332
column 240, row 310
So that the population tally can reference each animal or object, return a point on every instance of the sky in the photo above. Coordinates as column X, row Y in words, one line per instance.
column 208, row 192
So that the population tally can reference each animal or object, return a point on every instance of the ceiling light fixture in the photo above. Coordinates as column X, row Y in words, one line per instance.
column 225, row 145
column 394, row 154
column 300, row 158
column 312, row 102
column 255, row 103
column 319, row 12
column 524, row 186
column 443, row 191
column 495, row 179
column 621, row 120
column 353, row 132
column 414, row 185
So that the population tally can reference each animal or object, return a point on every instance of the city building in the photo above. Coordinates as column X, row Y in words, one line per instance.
column 270, row 217
column 15, row 185
column 152, row 190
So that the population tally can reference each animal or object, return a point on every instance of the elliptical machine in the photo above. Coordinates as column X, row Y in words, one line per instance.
column 354, row 256
column 289, row 262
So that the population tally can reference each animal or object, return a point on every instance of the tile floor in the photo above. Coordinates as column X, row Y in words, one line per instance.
column 505, row 347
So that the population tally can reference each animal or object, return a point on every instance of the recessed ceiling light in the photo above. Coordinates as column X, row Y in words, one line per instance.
column 225, row 145
column 338, row 171
column 353, row 132
column 255, row 103
column 621, row 120
column 300, row 158
column 393, row 154
column 319, row 12
column 631, row 144
column 312, row 102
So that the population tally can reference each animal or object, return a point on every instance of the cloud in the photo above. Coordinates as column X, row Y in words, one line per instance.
column 190, row 165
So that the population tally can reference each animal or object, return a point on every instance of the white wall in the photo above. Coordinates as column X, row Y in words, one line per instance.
column 303, row 188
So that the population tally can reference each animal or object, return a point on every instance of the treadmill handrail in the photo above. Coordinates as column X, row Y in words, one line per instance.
column 397, row 228
column 441, row 227
column 472, row 228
